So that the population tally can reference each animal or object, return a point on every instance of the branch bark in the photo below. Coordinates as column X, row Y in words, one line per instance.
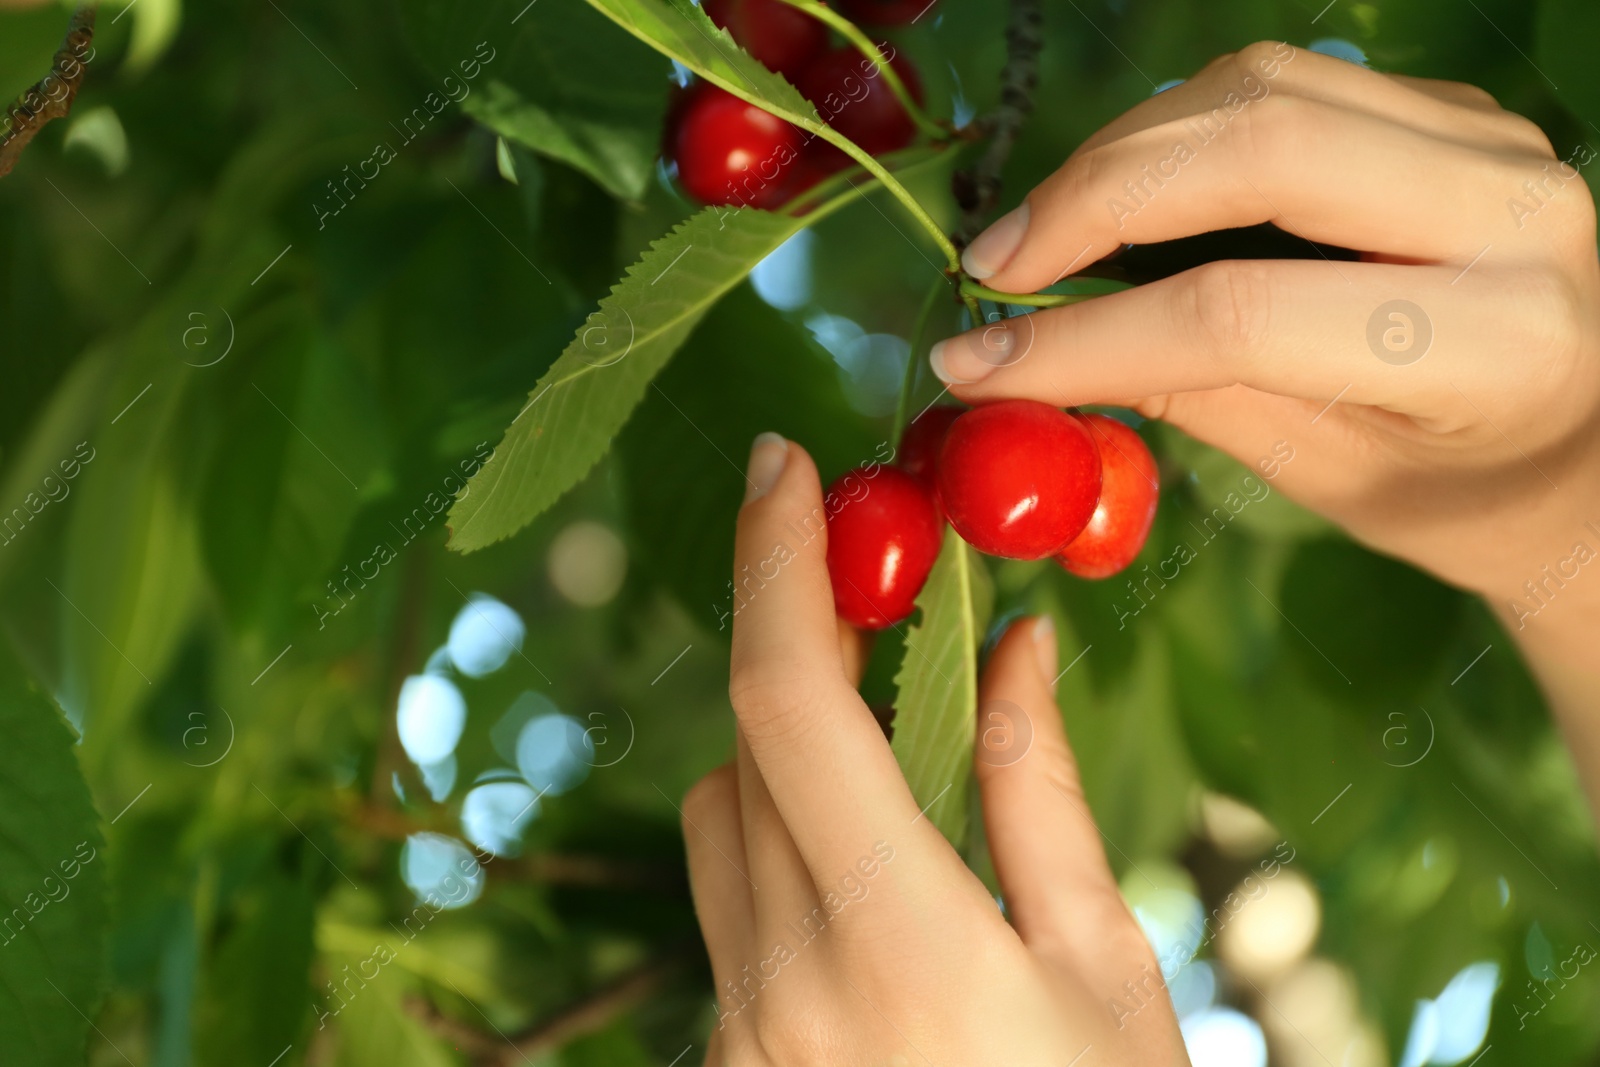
column 977, row 189
column 50, row 97
column 583, row 1016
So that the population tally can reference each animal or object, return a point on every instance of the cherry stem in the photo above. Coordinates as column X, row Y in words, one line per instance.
column 919, row 334
column 905, row 162
column 1033, row 300
column 865, row 45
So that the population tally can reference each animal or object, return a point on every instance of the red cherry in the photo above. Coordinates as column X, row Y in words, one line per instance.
column 1018, row 478
column 919, row 445
column 885, row 12
column 781, row 37
column 1128, row 490
column 850, row 95
column 732, row 152
column 883, row 536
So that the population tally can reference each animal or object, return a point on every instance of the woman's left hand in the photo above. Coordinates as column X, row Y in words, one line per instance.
column 842, row 927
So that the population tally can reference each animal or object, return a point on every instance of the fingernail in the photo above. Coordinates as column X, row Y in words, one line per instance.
column 1044, row 647
column 972, row 357
column 988, row 254
column 769, row 452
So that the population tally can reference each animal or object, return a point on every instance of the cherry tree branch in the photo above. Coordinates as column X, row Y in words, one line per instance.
column 977, row 189
column 51, row 97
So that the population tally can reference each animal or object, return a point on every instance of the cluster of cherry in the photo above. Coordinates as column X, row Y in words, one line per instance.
column 1015, row 478
column 729, row 151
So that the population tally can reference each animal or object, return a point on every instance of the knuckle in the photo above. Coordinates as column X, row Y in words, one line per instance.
column 1474, row 95
column 715, row 791
column 775, row 706
column 1276, row 124
column 1230, row 309
column 1526, row 134
column 1556, row 333
column 1255, row 58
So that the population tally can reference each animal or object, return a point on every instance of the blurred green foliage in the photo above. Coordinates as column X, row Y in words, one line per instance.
column 275, row 367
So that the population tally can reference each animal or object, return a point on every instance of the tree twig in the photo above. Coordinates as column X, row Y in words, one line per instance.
column 977, row 189
column 51, row 97
column 583, row 1016
column 593, row 1012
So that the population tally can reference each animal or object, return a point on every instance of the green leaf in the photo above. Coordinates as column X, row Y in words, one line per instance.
column 257, row 988
column 1363, row 624
column 683, row 447
column 52, row 883
column 1562, row 36
column 557, row 81
column 375, row 1030
column 681, row 30
column 297, row 458
column 935, row 720
column 583, row 400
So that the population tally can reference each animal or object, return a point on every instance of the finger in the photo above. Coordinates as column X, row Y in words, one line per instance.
column 1304, row 328
column 1444, row 110
column 714, row 1054
column 1458, row 93
column 1059, row 889
column 718, row 872
column 818, row 748
column 855, row 646
column 785, row 891
column 1321, row 172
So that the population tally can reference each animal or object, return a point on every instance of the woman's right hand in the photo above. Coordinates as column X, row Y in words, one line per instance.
column 1441, row 398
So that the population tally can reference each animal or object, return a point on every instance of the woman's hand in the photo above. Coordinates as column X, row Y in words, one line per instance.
column 842, row 928
column 1440, row 397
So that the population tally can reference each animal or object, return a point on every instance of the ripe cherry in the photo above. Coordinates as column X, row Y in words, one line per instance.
column 851, row 96
column 731, row 152
column 919, row 445
column 1019, row 478
column 782, row 37
column 885, row 12
column 883, row 536
column 1129, row 486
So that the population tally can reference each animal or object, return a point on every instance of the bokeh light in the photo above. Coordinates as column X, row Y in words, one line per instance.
column 1222, row 1037
column 587, row 564
column 1339, row 48
column 554, row 753
column 494, row 815
column 783, row 279
column 1238, row 830
column 439, row 777
column 1314, row 1018
column 430, row 716
column 484, row 635
column 1275, row 929
column 440, row 870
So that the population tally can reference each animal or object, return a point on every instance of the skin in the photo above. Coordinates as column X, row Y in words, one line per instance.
column 917, row 964
column 1415, row 460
